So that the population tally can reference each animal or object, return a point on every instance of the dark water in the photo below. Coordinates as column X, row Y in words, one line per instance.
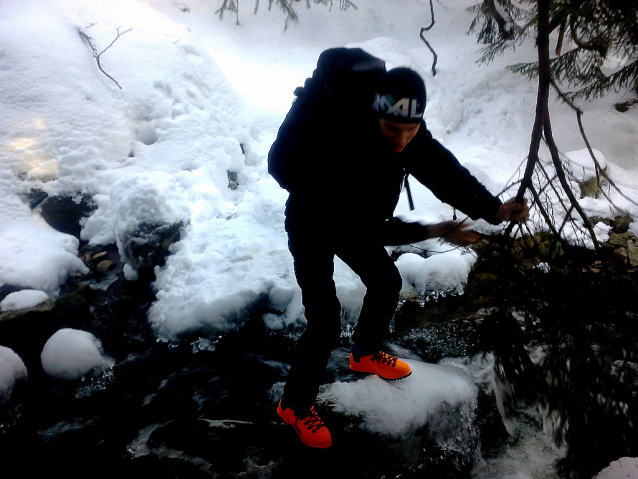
column 206, row 408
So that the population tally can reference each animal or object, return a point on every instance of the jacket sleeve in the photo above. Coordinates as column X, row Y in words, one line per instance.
column 439, row 170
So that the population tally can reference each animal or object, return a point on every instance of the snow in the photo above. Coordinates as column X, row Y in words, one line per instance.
column 623, row 468
column 23, row 299
column 398, row 407
column 71, row 354
column 201, row 98
column 34, row 255
column 439, row 272
column 12, row 370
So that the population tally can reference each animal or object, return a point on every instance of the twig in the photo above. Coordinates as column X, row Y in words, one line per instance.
column 97, row 55
column 425, row 29
column 563, row 181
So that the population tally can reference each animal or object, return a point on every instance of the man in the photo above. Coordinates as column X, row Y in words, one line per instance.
column 343, row 161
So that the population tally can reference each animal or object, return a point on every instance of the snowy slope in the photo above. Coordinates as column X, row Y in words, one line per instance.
column 201, row 97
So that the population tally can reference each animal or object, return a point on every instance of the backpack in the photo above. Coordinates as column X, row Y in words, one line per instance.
column 345, row 79
column 343, row 84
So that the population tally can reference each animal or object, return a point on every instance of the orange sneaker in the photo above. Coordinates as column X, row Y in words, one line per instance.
column 382, row 364
column 309, row 427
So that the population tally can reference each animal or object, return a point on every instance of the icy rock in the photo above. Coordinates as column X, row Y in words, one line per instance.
column 71, row 354
column 585, row 170
column 444, row 272
column 12, row 371
column 148, row 245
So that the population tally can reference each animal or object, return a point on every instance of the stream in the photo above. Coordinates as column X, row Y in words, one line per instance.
column 206, row 408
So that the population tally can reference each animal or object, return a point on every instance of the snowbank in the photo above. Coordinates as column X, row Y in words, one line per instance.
column 68, row 128
column 34, row 255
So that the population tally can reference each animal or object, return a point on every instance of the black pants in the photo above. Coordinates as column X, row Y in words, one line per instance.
column 313, row 249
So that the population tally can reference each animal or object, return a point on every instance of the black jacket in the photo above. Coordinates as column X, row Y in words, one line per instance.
column 341, row 174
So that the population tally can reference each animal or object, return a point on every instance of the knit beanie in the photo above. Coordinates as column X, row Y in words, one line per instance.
column 401, row 96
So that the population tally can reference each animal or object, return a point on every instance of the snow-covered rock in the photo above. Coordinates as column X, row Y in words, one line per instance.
column 149, row 217
column 71, row 354
column 12, row 370
column 24, row 299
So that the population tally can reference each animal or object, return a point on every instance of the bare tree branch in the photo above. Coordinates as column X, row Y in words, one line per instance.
column 425, row 29
column 97, row 55
column 542, row 127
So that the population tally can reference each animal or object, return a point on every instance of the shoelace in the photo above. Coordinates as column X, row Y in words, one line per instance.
column 383, row 357
column 312, row 420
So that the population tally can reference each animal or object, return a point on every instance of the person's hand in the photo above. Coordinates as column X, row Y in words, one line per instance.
column 455, row 233
column 512, row 210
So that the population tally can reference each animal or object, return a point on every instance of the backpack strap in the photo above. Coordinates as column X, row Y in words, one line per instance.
column 407, row 189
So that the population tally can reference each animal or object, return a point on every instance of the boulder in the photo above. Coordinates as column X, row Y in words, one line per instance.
column 25, row 331
column 149, row 244
column 150, row 215
column 621, row 224
column 64, row 213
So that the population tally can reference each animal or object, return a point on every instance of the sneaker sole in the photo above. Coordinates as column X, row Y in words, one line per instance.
column 379, row 376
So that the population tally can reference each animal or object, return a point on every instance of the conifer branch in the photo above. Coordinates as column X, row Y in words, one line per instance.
column 231, row 6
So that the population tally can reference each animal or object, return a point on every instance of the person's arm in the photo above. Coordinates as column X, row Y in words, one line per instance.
column 454, row 233
column 512, row 210
column 438, row 169
column 399, row 232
